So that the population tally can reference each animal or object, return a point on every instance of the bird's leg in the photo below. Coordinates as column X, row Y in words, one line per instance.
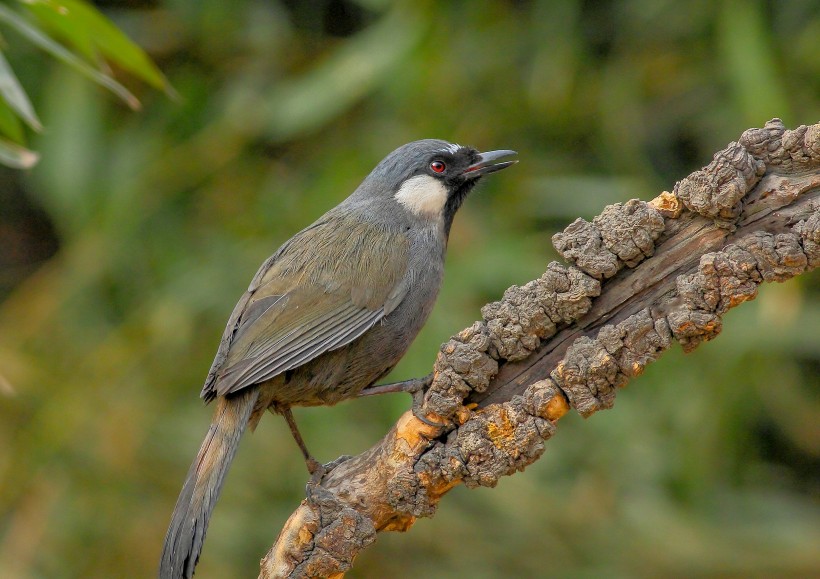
column 412, row 386
column 316, row 469
column 415, row 387
column 313, row 465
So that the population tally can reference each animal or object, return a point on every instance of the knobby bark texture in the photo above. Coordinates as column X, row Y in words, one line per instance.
column 640, row 276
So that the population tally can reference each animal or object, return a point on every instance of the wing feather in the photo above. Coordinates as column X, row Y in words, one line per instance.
column 358, row 325
column 296, row 348
column 303, row 302
column 297, row 331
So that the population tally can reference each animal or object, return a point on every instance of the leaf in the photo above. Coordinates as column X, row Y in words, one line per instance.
column 16, row 156
column 748, row 49
column 83, row 26
column 10, row 124
column 61, row 53
column 59, row 23
column 306, row 103
column 16, row 98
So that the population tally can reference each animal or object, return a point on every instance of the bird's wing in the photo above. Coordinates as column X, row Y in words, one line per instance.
column 326, row 287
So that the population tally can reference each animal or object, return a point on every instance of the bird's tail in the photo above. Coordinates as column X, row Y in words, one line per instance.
column 183, row 542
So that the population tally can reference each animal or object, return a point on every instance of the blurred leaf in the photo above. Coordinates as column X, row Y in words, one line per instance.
column 307, row 102
column 16, row 97
column 59, row 52
column 750, row 61
column 10, row 124
column 16, row 156
column 570, row 196
column 82, row 26
column 61, row 22
column 6, row 389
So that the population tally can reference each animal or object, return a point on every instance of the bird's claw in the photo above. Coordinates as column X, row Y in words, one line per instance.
column 418, row 404
column 336, row 462
column 315, row 468
column 419, row 385
column 318, row 470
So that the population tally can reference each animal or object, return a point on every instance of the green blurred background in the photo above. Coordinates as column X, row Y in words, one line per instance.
column 123, row 252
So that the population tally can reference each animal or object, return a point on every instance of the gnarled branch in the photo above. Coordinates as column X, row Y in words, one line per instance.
column 642, row 275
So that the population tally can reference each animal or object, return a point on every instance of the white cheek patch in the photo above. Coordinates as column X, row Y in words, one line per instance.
column 423, row 195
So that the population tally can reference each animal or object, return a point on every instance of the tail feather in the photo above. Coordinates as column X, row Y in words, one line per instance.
column 186, row 533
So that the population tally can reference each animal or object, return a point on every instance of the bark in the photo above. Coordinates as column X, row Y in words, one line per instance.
column 640, row 276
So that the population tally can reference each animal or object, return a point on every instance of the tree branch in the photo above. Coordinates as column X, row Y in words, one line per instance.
column 658, row 271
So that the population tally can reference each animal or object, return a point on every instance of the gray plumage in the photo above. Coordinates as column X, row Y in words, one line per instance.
column 330, row 313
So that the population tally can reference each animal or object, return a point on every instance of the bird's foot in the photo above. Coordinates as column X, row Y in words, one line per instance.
column 418, row 409
column 416, row 387
column 334, row 463
column 318, row 471
column 314, row 467
column 410, row 386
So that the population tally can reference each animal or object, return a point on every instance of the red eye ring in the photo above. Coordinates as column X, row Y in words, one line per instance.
column 438, row 167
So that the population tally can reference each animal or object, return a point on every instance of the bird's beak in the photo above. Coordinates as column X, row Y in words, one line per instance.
column 485, row 164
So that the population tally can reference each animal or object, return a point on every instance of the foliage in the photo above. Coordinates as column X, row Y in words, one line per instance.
column 706, row 466
column 90, row 38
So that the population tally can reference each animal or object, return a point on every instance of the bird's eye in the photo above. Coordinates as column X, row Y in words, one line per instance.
column 438, row 166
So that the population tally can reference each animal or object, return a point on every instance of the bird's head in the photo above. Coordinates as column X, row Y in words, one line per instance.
column 430, row 178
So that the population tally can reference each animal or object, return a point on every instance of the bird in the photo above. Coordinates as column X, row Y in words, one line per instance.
column 329, row 314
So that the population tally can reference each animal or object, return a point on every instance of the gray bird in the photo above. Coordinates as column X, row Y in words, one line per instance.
column 329, row 314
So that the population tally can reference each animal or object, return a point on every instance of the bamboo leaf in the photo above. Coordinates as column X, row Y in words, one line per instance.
column 14, row 95
column 91, row 33
column 16, row 156
column 10, row 124
column 307, row 102
column 61, row 53
column 59, row 23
